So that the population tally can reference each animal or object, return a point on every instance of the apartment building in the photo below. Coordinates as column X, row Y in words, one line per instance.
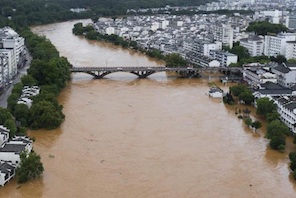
column 286, row 107
column 223, row 33
column 201, row 47
column 290, row 50
column 254, row 44
column 276, row 44
column 9, row 66
column 286, row 74
column 291, row 21
column 9, row 39
column 225, row 58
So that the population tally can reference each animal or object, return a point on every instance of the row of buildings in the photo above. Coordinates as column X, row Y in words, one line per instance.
column 278, row 83
column 191, row 36
column 253, row 5
column 12, row 55
column 200, row 38
column 10, row 151
column 271, row 45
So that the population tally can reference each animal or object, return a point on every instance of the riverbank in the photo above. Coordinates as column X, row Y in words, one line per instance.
column 155, row 137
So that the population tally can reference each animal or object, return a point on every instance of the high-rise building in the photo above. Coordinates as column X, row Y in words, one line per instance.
column 291, row 21
column 276, row 44
column 9, row 39
column 223, row 33
column 254, row 44
column 290, row 50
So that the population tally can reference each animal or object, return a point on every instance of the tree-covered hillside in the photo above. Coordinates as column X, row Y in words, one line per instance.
column 126, row 4
column 21, row 13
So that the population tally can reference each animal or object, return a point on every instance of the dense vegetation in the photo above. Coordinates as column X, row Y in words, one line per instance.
column 243, row 93
column 276, row 130
column 50, row 72
column 264, row 27
column 30, row 167
column 21, row 13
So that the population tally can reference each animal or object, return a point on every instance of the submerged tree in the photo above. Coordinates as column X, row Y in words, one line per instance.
column 30, row 167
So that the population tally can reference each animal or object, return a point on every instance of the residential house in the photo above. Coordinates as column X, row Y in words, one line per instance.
column 256, row 76
column 254, row 44
column 7, row 172
column 270, row 89
column 286, row 74
column 286, row 107
column 4, row 134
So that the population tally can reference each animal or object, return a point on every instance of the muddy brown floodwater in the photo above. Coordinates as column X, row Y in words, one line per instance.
column 146, row 138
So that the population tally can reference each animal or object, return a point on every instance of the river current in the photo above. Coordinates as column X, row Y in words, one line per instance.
column 147, row 138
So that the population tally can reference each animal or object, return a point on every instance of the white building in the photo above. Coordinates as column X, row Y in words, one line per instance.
column 4, row 134
column 270, row 89
column 254, row 44
column 7, row 172
column 110, row 30
column 225, row 58
column 286, row 74
column 4, row 65
column 11, row 150
column 9, row 39
column 224, row 33
column 9, row 56
column 27, row 93
column 291, row 21
column 276, row 45
column 290, row 50
column 256, row 76
column 201, row 47
column 216, row 92
column 286, row 107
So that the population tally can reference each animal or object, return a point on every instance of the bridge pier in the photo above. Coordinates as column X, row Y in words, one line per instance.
column 143, row 74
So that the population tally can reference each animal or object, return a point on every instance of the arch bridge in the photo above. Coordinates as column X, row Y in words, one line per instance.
column 143, row 72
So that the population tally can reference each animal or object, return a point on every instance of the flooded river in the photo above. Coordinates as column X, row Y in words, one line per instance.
column 160, row 137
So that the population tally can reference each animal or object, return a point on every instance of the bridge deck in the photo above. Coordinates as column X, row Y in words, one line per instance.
column 143, row 72
column 158, row 69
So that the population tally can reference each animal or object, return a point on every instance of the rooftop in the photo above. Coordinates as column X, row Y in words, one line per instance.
column 6, row 168
column 15, row 148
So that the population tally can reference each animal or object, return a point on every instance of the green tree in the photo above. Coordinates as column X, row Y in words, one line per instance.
column 30, row 167
column 22, row 113
column 292, row 61
column 247, row 97
column 277, row 129
column 292, row 157
column 256, row 124
column 240, row 51
column 248, row 121
column 272, row 116
column 175, row 60
column 4, row 115
column 46, row 115
column 279, row 59
column 10, row 124
column 264, row 27
column 28, row 80
column 277, row 143
column 265, row 106
column 238, row 89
